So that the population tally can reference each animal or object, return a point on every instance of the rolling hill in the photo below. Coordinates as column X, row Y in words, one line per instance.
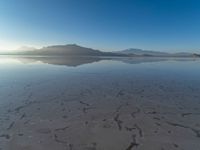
column 69, row 50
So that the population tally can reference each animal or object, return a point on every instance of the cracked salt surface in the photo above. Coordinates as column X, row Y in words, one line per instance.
column 109, row 104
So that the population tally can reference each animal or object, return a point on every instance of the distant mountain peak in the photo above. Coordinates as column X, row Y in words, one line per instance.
column 69, row 50
column 133, row 50
column 129, row 49
column 137, row 51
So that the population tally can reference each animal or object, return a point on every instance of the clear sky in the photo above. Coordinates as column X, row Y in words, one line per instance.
column 165, row 25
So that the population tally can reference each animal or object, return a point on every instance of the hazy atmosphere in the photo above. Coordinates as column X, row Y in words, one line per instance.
column 99, row 75
column 167, row 25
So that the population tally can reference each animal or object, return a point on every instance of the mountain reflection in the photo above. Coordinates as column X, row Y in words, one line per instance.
column 77, row 61
column 66, row 61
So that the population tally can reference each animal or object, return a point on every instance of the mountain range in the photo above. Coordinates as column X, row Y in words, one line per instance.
column 68, row 50
column 140, row 52
column 76, row 50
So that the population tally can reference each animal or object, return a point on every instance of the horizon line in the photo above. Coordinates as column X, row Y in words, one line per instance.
column 23, row 48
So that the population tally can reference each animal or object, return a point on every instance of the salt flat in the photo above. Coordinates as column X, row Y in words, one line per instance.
column 99, row 104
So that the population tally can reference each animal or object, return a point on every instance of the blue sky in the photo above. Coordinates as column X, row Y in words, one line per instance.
column 165, row 25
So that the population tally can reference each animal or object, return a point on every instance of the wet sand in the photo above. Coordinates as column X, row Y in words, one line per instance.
column 131, row 107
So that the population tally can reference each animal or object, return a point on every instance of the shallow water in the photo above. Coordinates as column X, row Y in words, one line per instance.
column 99, row 103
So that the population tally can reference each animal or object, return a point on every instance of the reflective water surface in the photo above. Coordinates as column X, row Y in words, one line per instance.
column 99, row 103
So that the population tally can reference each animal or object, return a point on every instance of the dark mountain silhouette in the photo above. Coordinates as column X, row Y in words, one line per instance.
column 76, row 50
column 196, row 55
column 149, row 53
column 69, row 50
column 141, row 52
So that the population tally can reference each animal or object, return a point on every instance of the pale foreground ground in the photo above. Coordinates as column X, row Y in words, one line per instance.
column 92, row 111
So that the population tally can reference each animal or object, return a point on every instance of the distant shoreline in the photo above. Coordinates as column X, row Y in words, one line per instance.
column 130, row 56
column 71, row 50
